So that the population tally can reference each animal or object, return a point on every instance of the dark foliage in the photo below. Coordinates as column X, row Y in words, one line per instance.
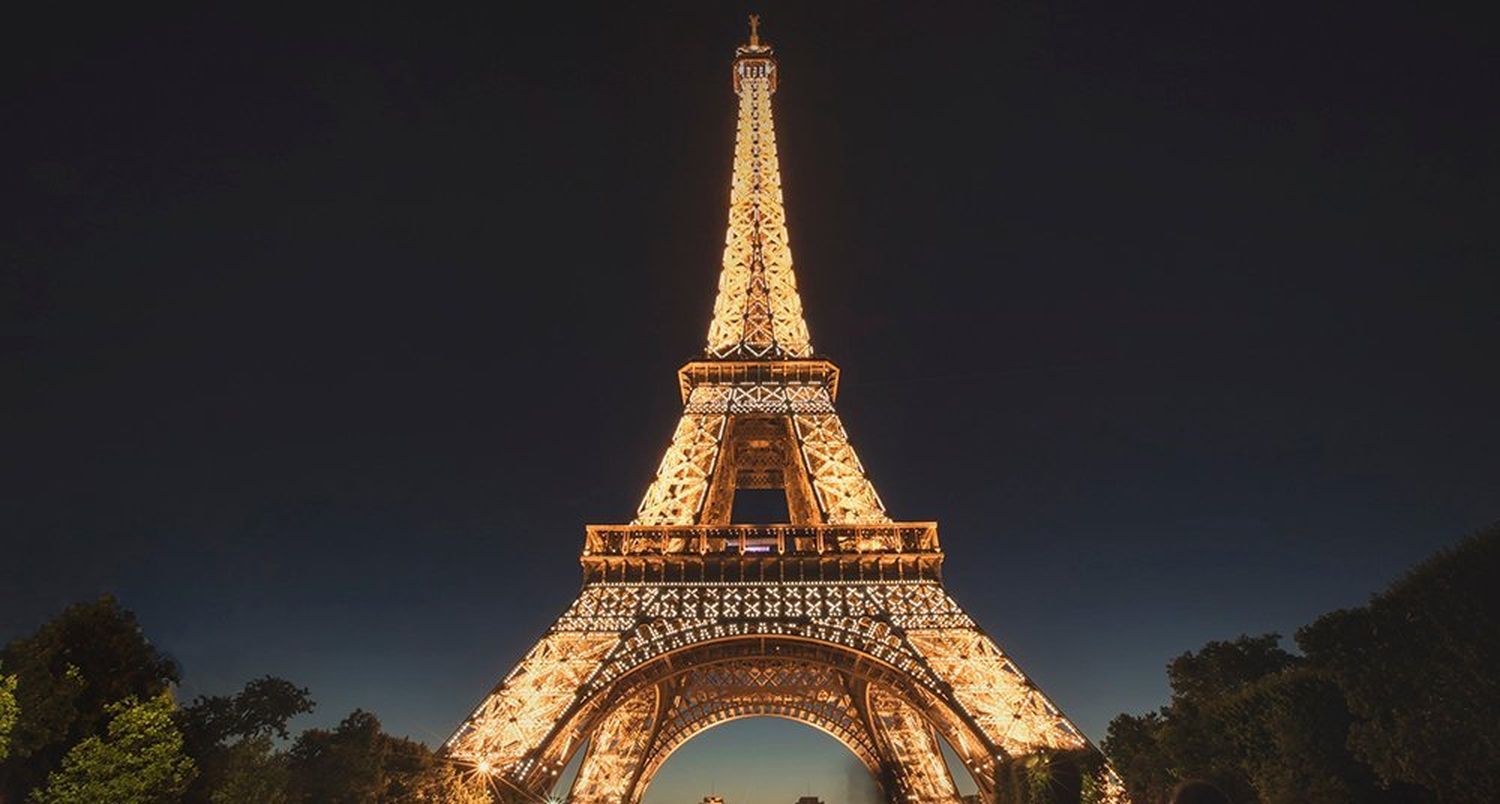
column 357, row 763
column 1418, row 667
column 1198, row 792
column 78, row 671
column 262, row 709
column 1191, row 738
column 1288, row 732
column 1133, row 745
column 1048, row 777
column 1392, row 702
column 224, row 734
column 1256, row 722
column 1221, row 669
column 69, row 671
column 345, row 765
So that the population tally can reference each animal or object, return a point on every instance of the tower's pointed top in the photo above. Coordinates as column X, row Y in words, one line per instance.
column 758, row 314
column 756, row 47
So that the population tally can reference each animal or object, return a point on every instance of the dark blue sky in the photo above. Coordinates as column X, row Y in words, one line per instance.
column 326, row 333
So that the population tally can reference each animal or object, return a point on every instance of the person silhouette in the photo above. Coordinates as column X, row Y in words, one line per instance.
column 1198, row 792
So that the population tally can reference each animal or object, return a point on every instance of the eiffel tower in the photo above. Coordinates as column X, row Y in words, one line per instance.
column 836, row 618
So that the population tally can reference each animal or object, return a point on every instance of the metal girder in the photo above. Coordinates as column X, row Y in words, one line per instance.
column 616, row 749
column 758, row 312
column 690, row 471
column 1007, row 707
column 909, row 749
column 865, row 644
column 792, row 650
column 758, row 316
column 525, row 707
column 802, row 691
column 845, row 493
column 676, row 495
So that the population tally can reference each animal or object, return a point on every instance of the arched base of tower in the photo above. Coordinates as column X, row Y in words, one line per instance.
column 891, row 670
column 664, row 704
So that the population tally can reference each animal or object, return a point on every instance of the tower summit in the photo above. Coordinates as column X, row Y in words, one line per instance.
column 830, row 614
column 758, row 313
column 758, row 408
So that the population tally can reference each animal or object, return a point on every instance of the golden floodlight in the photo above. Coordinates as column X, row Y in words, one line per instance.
column 835, row 617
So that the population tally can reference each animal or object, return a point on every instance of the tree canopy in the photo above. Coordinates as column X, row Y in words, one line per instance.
column 1418, row 669
column 68, row 673
column 139, row 760
column 87, row 715
column 357, row 763
column 231, row 738
column 1395, row 701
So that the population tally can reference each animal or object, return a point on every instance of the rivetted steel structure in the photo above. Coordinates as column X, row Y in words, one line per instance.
column 836, row 618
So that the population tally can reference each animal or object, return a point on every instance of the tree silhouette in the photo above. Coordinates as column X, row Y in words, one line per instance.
column 1418, row 669
column 1391, row 702
column 230, row 737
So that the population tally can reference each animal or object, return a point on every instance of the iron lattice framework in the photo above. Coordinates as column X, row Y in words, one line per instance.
column 836, row 618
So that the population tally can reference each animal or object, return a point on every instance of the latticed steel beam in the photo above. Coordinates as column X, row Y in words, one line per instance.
column 910, row 751
column 1008, row 708
column 758, row 316
column 836, row 618
column 525, row 707
column 828, row 463
column 758, row 312
column 617, row 748
column 911, row 638
column 803, row 691
column 676, row 495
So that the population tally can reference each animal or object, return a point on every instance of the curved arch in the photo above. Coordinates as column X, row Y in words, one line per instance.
column 804, row 692
column 646, row 780
column 824, row 684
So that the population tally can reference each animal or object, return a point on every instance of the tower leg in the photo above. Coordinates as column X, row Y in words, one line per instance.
column 913, row 768
column 612, row 765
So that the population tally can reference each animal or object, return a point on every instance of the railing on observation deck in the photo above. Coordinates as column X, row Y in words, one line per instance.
column 761, row 540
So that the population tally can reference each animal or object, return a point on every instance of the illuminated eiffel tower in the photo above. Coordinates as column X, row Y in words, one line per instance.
column 836, row 618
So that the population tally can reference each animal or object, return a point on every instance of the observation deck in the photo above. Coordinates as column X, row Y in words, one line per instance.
column 887, row 551
column 809, row 371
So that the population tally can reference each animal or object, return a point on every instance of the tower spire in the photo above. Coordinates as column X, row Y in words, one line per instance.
column 758, row 408
column 758, row 313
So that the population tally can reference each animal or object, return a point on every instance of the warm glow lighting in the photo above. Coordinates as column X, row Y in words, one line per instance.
column 836, row 618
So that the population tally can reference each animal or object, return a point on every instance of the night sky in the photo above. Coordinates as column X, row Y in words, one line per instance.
column 325, row 333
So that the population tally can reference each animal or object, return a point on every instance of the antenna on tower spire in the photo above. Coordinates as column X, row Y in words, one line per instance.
column 754, row 30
